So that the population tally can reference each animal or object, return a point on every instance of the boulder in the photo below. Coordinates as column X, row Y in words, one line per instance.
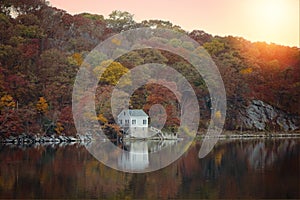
column 262, row 116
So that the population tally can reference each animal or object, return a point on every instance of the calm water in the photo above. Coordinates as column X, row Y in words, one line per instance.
column 234, row 169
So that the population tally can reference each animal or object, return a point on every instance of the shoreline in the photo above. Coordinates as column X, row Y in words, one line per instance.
column 250, row 134
column 28, row 140
column 32, row 140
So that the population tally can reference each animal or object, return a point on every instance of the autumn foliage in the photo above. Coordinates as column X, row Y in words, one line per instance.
column 42, row 105
column 42, row 48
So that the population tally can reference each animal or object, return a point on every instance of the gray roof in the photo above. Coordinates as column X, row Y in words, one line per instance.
column 137, row 112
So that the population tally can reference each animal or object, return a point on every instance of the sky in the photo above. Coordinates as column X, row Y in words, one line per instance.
column 271, row 21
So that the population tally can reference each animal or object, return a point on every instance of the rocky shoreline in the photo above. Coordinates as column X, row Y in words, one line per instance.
column 261, row 116
column 249, row 134
column 28, row 140
column 34, row 139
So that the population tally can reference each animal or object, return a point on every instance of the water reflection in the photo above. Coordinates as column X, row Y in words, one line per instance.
column 260, row 156
column 137, row 158
column 234, row 169
column 159, row 154
column 138, row 155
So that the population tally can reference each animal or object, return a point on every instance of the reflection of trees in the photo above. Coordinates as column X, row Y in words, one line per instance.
column 264, row 154
column 55, row 173
column 260, row 168
column 254, row 168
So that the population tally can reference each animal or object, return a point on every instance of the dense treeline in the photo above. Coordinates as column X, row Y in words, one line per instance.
column 42, row 48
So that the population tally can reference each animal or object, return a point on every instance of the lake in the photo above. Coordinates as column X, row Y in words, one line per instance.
column 248, row 168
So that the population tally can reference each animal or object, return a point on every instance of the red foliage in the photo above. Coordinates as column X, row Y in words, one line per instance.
column 30, row 50
column 10, row 123
column 66, row 118
column 160, row 94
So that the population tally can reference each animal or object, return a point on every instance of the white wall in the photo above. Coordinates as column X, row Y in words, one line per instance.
column 139, row 120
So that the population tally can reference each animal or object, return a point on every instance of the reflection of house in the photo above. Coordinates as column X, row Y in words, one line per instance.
column 146, row 155
column 133, row 118
column 137, row 158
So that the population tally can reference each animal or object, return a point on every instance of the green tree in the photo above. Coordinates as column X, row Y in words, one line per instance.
column 161, row 24
column 120, row 21
column 215, row 47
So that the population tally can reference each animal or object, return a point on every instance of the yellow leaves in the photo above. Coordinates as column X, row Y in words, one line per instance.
column 42, row 105
column 116, row 41
column 78, row 58
column 7, row 101
column 75, row 59
column 217, row 118
column 218, row 114
column 112, row 73
column 59, row 128
column 248, row 70
column 102, row 119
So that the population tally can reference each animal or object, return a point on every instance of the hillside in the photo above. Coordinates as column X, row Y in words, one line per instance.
column 42, row 48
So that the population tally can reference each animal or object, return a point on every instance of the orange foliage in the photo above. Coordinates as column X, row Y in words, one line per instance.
column 7, row 101
column 59, row 128
column 42, row 105
column 246, row 71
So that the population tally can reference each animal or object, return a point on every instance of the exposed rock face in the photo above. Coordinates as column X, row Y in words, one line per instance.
column 262, row 116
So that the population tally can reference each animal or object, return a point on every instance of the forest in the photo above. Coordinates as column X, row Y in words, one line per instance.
column 42, row 49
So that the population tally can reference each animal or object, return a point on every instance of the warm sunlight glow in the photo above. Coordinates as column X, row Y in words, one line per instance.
column 274, row 21
column 272, row 12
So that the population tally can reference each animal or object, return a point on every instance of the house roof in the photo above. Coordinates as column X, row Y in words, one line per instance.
column 137, row 112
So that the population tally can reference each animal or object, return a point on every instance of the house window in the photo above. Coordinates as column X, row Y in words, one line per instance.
column 126, row 121
column 120, row 121
column 144, row 121
column 124, row 113
column 133, row 121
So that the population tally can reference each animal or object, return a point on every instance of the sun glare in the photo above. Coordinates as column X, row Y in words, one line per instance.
column 272, row 13
column 271, row 20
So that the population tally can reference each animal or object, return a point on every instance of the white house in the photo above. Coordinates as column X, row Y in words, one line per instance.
column 133, row 118
column 134, row 122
